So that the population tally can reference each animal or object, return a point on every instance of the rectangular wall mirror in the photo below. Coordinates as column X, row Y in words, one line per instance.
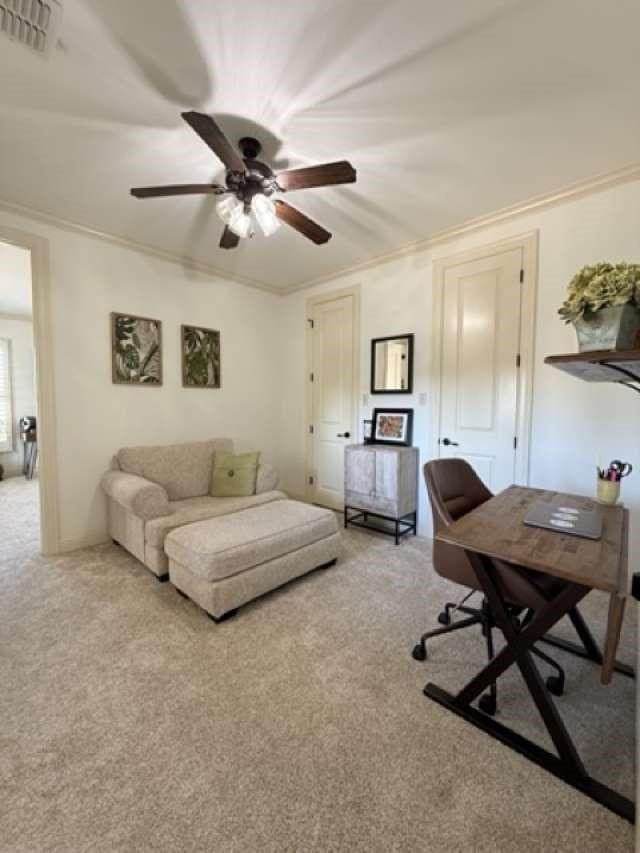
column 392, row 365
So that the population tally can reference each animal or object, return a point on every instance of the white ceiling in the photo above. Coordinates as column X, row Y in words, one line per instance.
column 448, row 110
column 15, row 280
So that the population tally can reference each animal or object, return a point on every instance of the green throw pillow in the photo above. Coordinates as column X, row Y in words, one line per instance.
column 234, row 474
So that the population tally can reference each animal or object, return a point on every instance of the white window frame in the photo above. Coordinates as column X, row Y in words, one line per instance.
column 5, row 350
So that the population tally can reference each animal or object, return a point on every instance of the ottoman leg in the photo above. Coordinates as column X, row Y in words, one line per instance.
column 162, row 578
column 224, row 616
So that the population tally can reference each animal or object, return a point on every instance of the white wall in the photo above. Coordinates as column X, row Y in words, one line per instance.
column 89, row 279
column 261, row 403
column 574, row 423
column 20, row 334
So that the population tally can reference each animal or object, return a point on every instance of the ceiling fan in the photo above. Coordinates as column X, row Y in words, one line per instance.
column 249, row 185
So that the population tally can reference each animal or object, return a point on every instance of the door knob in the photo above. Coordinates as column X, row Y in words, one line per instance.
column 447, row 442
column 344, row 435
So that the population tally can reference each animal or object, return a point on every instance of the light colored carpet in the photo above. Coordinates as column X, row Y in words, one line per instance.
column 130, row 722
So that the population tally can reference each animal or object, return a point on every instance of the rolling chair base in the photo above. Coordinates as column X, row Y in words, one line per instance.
column 488, row 702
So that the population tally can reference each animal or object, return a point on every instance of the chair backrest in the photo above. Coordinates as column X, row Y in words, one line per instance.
column 454, row 489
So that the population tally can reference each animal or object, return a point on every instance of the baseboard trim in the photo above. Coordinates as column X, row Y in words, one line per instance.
column 67, row 545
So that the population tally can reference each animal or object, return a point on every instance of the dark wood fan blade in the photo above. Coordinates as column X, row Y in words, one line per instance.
column 301, row 222
column 229, row 240
column 326, row 175
column 178, row 189
column 209, row 132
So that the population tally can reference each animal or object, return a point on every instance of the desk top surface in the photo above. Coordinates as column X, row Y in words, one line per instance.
column 496, row 529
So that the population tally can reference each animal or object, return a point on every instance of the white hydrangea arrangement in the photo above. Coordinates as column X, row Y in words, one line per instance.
column 601, row 286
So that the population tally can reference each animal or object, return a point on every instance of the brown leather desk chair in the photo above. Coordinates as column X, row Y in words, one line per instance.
column 455, row 489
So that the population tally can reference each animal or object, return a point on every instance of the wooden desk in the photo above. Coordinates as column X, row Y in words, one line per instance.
column 495, row 530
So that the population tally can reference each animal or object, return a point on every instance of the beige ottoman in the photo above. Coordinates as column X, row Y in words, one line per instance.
column 223, row 562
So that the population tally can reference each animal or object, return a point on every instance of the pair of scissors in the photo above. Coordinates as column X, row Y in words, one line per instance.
column 622, row 469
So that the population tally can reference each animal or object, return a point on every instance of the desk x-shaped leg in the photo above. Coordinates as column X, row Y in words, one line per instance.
column 567, row 764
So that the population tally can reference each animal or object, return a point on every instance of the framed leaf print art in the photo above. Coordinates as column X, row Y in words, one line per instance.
column 200, row 357
column 136, row 350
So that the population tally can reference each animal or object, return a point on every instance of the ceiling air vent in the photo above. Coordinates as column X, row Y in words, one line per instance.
column 31, row 22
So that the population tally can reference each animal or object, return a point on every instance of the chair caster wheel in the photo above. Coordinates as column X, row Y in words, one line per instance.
column 419, row 652
column 444, row 618
column 488, row 704
column 555, row 684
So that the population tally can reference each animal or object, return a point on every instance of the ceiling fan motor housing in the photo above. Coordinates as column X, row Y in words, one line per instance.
column 250, row 147
column 258, row 178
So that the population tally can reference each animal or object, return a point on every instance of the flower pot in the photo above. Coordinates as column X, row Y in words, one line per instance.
column 616, row 328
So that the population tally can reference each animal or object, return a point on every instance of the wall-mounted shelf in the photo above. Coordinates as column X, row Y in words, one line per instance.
column 621, row 366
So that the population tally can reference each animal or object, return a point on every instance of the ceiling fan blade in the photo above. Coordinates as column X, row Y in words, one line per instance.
column 326, row 175
column 301, row 223
column 209, row 132
column 229, row 240
column 178, row 189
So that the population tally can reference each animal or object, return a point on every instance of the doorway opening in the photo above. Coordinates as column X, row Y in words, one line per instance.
column 19, row 485
column 28, row 489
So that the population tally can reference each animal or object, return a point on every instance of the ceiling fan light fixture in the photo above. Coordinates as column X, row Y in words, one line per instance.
column 241, row 223
column 229, row 208
column 265, row 211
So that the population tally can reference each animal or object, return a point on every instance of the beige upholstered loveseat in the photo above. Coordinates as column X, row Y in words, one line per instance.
column 153, row 490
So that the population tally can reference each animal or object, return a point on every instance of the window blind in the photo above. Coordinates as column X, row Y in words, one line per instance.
column 6, row 415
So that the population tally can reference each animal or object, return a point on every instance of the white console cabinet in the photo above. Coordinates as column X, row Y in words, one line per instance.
column 381, row 486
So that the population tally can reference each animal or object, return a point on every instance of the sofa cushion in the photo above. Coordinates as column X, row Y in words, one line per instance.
column 184, row 470
column 221, row 547
column 234, row 475
column 196, row 509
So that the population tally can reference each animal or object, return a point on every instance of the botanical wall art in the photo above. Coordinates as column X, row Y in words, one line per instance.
column 200, row 357
column 136, row 350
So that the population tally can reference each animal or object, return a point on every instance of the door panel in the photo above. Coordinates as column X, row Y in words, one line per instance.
column 477, row 369
column 386, row 476
column 333, row 404
column 483, row 465
column 479, row 373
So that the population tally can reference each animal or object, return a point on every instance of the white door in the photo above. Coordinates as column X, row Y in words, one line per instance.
column 479, row 365
column 333, row 403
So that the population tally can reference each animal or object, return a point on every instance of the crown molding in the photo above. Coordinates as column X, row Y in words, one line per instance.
column 571, row 192
column 568, row 193
column 142, row 248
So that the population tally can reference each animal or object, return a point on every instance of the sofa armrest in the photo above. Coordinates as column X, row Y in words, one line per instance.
column 267, row 479
column 143, row 498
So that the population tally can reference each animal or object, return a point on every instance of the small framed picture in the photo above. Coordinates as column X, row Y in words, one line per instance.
column 393, row 426
column 200, row 357
column 136, row 350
